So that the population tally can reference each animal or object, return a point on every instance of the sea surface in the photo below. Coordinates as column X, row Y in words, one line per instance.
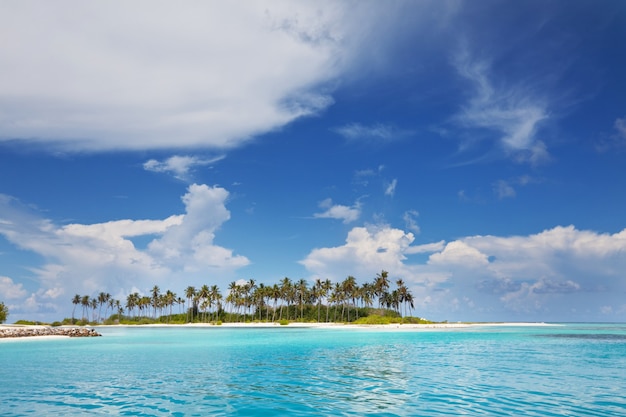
column 550, row 370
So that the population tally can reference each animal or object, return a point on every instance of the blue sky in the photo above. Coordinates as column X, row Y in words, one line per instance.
column 475, row 149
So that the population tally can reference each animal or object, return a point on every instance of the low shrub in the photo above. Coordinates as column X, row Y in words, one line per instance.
column 283, row 322
column 28, row 322
column 374, row 320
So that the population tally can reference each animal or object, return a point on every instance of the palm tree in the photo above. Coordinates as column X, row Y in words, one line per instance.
column 402, row 291
column 367, row 294
column 285, row 290
column 132, row 301
column 381, row 285
column 302, row 294
column 84, row 302
column 181, row 303
column 120, row 309
column 110, row 304
column 155, row 298
column 275, row 295
column 203, row 298
column 350, row 287
column 216, row 296
column 144, row 303
column 336, row 297
column 317, row 294
column 190, row 293
column 75, row 301
column 170, row 299
column 327, row 286
column 248, row 290
column 93, row 303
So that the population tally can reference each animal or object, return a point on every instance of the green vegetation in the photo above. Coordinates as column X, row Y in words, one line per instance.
column 282, row 302
column 4, row 312
column 30, row 323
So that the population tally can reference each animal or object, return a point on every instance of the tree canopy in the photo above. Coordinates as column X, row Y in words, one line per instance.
column 4, row 312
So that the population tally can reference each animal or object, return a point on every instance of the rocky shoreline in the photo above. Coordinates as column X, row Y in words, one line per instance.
column 10, row 332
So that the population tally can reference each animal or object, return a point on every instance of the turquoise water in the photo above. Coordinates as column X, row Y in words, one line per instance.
column 571, row 370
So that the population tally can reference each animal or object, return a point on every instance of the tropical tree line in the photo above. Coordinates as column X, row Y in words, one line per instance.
column 4, row 312
column 323, row 301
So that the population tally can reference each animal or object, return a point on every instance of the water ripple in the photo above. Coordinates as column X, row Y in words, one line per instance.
column 298, row 372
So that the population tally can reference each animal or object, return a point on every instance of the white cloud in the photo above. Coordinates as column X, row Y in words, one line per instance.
column 544, row 276
column 10, row 290
column 620, row 126
column 508, row 110
column 189, row 245
column 410, row 221
column 112, row 75
column 378, row 132
column 347, row 214
column 503, row 189
column 390, row 189
column 459, row 253
column 365, row 252
column 426, row 248
column 179, row 165
column 88, row 258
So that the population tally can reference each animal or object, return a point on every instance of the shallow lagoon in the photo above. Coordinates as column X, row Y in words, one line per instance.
column 575, row 369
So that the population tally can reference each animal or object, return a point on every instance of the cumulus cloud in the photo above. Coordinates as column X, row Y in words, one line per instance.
column 113, row 75
column 509, row 111
column 365, row 252
column 85, row 258
column 189, row 244
column 459, row 253
column 347, row 214
column 543, row 276
column 10, row 290
column 179, row 165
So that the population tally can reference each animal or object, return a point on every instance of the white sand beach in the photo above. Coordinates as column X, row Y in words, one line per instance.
column 342, row 326
column 261, row 325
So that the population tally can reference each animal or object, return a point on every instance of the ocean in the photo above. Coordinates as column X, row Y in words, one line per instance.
column 548, row 370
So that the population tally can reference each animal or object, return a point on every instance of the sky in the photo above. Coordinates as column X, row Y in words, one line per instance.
column 477, row 150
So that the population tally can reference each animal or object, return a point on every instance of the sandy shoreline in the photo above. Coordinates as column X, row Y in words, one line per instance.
column 341, row 326
column 333, row 326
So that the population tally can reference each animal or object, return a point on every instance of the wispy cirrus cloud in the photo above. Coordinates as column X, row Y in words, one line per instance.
column 509, row 111
column 503, row 189
column 616, row 140
column 347, row 214
column 620, row 127
column 378, row 132
column 179, row 165
column 390, row 188
column 410, row 220
column 507, row 188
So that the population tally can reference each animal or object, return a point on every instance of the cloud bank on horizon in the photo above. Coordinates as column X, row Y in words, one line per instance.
column 483, row 274
column 278, row 110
